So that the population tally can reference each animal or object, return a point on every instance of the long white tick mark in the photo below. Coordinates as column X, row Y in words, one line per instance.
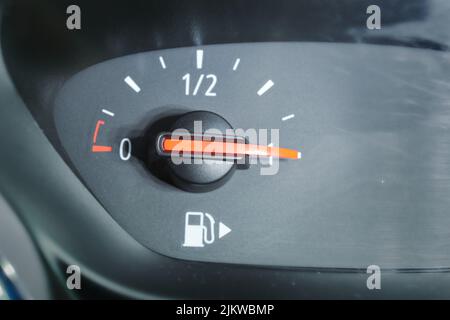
column 199, row 59
column 132, row 84
column 269, row 84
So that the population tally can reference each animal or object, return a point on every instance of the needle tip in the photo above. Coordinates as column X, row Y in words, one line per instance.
column 299, row 155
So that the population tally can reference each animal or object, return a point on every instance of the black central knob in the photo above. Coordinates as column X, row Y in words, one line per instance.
column 206, row 175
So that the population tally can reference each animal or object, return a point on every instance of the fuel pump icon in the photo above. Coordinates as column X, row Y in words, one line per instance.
column 196, row 233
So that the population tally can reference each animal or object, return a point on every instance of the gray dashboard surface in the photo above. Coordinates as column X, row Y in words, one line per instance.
column 372, row 125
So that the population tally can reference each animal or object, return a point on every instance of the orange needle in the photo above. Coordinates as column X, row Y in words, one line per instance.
column 227, row 148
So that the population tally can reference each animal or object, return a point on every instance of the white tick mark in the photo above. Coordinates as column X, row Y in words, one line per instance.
column 236, row 64
column 288, row 117
column 265, row 87
column 199, row 59
column 132, row 84
column 163, row 64
column 109, row 113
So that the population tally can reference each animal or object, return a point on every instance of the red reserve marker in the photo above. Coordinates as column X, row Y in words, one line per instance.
column 96, row 148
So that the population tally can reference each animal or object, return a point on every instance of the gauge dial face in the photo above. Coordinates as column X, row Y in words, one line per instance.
column 347, row 196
